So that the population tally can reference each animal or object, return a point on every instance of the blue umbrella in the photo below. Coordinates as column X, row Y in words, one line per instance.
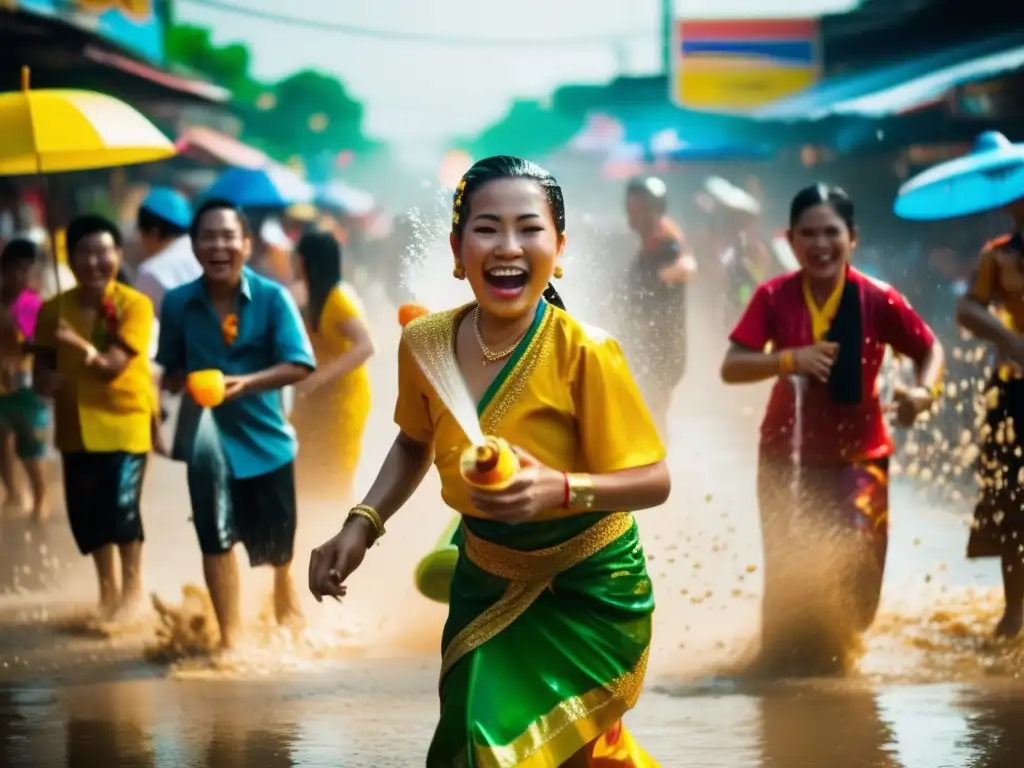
column 272, row 187
column 990, row 177
column 339, row 196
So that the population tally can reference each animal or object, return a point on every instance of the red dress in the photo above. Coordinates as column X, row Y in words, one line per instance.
column 823, row 493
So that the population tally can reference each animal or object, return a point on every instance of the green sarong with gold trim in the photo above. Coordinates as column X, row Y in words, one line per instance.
column 546, row 643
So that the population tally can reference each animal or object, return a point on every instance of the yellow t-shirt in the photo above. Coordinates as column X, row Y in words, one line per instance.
column 566, row 396
column 91, row 414
column 329, row 342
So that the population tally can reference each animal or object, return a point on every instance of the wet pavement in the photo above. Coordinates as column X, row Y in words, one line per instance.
column 359, row 688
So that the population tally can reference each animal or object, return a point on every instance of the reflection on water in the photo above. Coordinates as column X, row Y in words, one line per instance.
column 809, row 729
column 383, row 717
column 993, row 735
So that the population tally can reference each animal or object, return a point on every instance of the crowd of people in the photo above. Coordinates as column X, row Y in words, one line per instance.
column 550, row 560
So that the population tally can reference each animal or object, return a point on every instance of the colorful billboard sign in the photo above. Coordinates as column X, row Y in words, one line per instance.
column 135, row 25
column 741, row 65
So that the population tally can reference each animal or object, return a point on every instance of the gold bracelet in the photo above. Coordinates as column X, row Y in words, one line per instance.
column 786, row 363
column 581, row 491
column 367, row 512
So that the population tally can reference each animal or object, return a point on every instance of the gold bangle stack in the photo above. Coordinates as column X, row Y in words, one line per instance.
column 581, row 491
column 367, row 512
column 786, row 363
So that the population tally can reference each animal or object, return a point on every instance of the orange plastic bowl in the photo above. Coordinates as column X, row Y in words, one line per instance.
column 206, row 387
column 409, row 312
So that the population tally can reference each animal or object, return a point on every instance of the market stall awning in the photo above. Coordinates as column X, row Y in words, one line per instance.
column 904, row 87
column 209, row 145
column 685, row 136
column 190, row 86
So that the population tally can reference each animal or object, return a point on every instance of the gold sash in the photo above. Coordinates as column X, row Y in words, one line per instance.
column 528, row 574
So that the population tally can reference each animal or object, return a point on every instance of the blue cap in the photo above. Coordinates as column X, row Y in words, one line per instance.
column 169, row 205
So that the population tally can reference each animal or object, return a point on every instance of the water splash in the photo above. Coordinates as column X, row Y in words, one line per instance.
column 799, row 385
column 428, row 277
column 441, row 370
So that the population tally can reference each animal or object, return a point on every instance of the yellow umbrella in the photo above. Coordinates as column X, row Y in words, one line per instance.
column 57, row 130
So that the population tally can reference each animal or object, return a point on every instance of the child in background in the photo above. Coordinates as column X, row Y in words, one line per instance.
column 23, row 414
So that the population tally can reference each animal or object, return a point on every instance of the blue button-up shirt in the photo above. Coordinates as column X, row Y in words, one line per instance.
column 254, row 432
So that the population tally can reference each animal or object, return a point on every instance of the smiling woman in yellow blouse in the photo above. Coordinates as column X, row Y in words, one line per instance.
column 552, row 562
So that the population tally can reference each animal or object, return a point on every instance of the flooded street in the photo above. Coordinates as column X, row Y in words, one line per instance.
column 359, row 687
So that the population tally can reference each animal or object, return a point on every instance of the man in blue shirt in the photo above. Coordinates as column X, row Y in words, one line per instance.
column 241, row 477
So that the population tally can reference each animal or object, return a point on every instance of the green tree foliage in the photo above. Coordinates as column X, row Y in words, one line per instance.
column 529, row 129
column 304, row 114
column 192, row 49
column 310, row 111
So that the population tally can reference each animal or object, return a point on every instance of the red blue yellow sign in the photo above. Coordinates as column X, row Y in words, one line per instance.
column 741, row 65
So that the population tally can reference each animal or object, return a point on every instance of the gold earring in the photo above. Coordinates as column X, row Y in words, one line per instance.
column 558, row 273
column 459, row 271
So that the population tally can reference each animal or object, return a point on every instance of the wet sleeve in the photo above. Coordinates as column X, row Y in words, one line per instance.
column 291, row 342
column 983, row 281
column 170, row 348
column 136, row 328
column 616, row 430
column 412, row 408
column 902, row 328
column 755, row 328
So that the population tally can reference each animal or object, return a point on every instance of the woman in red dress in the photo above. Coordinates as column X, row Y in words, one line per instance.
column 822, row 331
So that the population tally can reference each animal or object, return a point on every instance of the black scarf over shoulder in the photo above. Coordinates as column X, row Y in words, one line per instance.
column 845, row 382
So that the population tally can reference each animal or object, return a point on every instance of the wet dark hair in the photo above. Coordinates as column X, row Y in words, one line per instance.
column 508, row 167
column 822, row 194
column 321, row 257
column 148, row 222
column 17, row 252
column 88, row 225
column 218, row 204
column 651, row 188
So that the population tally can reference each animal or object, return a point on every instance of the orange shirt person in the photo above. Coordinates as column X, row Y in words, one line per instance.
column 91, row 349
column 998, row 529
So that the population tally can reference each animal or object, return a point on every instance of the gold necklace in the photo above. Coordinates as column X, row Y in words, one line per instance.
column 489, row 355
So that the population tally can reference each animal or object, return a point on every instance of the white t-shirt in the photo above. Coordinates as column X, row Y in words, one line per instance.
column 175, row 265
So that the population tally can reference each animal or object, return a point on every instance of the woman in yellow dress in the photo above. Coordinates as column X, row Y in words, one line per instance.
column 549, row 622
column 331, row 404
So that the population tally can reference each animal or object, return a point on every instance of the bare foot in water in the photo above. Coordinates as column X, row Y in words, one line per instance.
column 14, row 506
column 1010, row 626
column 107, row 609
column 41, row 513
column 287, row 610
column 130, row 611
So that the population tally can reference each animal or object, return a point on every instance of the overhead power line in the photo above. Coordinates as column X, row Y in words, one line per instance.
column 420, row 37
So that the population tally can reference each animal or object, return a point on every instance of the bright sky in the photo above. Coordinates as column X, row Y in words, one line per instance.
column 417, row 93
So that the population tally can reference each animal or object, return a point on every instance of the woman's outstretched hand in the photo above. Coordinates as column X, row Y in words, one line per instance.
column 534, row 489
column 908, row 404
column 333, row 562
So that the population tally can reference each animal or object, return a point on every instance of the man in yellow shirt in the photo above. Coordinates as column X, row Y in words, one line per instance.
column 91, row 357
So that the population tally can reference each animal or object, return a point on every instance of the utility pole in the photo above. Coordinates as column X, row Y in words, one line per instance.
column 667, row 20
